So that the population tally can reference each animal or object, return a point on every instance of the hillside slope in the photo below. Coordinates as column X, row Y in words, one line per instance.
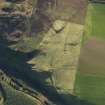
column 40, row 46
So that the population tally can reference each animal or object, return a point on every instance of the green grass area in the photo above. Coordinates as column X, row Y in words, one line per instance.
column 90, row 82
column 95, row 21
column 91, row 88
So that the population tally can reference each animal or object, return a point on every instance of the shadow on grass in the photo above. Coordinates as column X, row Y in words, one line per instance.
column 14, row 63
column 3, row 94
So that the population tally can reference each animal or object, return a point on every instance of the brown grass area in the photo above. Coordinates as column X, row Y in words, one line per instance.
column 92, row 59
column 74, row 10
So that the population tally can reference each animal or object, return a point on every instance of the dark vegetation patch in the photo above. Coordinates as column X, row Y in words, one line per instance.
column 15, row 64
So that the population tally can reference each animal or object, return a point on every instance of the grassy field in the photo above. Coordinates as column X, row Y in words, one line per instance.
column 95, row 25
column 91, row 88
column 90, row 83
column 58, row 55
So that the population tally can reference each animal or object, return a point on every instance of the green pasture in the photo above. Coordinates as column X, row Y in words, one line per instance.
column 90, row 82
column 95, row 21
